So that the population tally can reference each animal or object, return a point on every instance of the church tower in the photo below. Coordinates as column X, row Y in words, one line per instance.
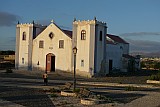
column 24, row 37
column 25, row 33
column 90, row 39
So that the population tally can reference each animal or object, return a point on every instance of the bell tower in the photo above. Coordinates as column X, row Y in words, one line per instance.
column 90, row 39
column 24, row 38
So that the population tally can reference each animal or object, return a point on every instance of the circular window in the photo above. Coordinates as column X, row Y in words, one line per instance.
column 51, row 35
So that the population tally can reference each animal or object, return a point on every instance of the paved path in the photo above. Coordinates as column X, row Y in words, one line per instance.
column 38, row 83
column 17, row 91
column 151, row 100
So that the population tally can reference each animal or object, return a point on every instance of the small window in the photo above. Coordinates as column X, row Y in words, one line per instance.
column 24, row 36
column 83, row 35
column 61, row 43
column 100, row 36
column 41, row 44
column 22, row 60
column 82, row 63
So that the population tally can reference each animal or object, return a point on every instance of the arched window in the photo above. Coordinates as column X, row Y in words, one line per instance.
column 24, row 36
column 83, row 35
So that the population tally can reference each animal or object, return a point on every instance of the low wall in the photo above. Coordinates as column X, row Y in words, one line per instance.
column 153, row 82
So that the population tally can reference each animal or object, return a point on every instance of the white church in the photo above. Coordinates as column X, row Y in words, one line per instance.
column 50, row 48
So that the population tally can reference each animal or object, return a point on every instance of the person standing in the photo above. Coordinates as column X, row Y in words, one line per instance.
column 45, row 77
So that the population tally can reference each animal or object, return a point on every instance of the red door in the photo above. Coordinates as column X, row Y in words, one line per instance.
column 50, row 62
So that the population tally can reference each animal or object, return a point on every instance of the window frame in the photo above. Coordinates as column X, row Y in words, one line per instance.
column 83, row 35
column 24, row 36
column 41, row 44
column 61, row 44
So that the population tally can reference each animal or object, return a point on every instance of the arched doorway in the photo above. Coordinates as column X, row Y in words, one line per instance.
column 50, row 62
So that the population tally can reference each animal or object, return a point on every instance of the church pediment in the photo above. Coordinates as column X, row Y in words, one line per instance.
column 52, row 31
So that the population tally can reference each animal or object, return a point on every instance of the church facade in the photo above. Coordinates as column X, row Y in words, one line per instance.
column 49, row 48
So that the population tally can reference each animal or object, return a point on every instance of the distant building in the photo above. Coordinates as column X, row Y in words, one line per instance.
column 49, row 48
column 9, row 57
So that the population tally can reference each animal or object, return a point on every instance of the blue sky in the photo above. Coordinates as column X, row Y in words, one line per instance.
column 137, row 21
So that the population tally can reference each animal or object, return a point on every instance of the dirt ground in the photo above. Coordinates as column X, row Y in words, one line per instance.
column 138, row 77
column 118, row 95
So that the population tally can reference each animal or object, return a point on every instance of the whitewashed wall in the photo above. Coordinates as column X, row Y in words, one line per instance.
column 24, row 45
column 62, row 56
column 83, row 46
column 89, row 47
column 114, row 53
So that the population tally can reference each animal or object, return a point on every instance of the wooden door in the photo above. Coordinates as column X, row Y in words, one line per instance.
column 50, row 62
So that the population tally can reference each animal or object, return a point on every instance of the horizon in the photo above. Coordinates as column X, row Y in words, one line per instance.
column 137, row 22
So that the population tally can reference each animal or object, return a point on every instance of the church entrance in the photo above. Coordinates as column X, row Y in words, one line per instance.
column 50, row 62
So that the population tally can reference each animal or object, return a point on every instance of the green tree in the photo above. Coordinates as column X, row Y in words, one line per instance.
column 9, row 52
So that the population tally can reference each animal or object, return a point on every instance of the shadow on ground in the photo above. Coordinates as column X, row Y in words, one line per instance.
column 121, row 97
column 26, row 97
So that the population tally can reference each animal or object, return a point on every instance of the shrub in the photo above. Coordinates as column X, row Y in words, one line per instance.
column 64, row 102
column 106, row 99
column 77, row 90
column 53, row 90
column 54, row 95
column 9, row 71
column 131, row 88
column 155, row 77
column 101, row 97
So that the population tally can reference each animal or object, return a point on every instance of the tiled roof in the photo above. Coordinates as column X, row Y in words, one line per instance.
column 67, row 32
column 116, row 39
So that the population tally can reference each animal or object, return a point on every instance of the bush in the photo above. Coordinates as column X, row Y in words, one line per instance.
column 54, row 95
column 155, row 77
column 53, row 90
column 131, row 88
column 9, row 71
column 77, row 90
column 102, row 97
